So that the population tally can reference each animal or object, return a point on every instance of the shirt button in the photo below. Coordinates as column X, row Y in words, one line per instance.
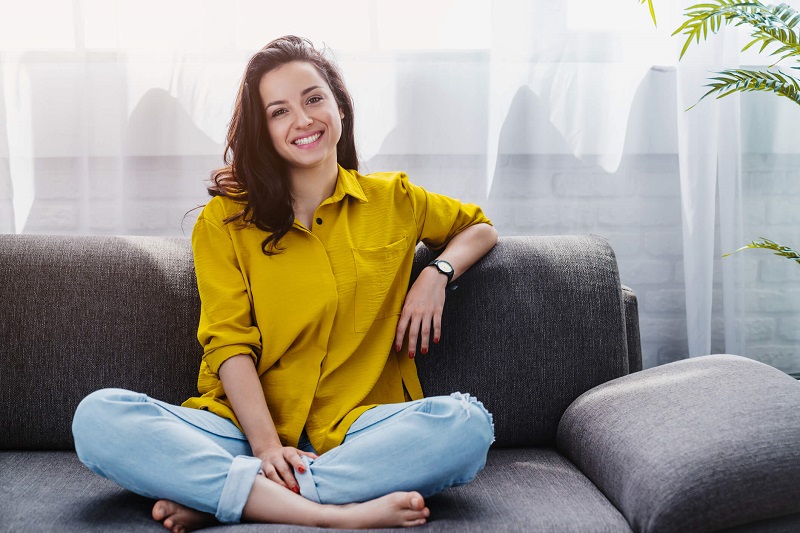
column 319, row 221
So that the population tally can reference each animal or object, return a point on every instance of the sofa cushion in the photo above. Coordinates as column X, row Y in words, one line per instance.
column 85, row 313
column 533, row 325
column 696, row 445
column 520, row 490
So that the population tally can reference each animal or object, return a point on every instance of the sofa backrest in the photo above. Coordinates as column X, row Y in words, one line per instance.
column 533, row 325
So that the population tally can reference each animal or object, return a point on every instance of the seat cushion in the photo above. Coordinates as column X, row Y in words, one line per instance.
column 519, row 490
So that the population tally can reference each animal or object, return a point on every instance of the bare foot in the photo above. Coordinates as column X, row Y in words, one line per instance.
column 395, row 509
column 180, row 519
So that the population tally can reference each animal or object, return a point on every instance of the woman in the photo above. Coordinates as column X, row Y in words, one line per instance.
column 309, row 393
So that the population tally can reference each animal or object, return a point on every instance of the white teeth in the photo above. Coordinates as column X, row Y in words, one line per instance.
column 308, row 140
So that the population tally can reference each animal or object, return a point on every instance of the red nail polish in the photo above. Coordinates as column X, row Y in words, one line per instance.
column 436, row 340
column 301, row 469
column 411, row 355
column 397, row 347
column 424, row 351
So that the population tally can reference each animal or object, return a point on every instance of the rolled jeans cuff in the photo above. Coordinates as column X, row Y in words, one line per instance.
column 237, row 488
column 308, row 488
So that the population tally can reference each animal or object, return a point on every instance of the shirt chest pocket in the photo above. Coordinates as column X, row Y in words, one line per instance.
column 376, row 273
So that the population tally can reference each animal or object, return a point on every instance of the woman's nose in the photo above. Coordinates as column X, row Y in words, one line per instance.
column 302, row 120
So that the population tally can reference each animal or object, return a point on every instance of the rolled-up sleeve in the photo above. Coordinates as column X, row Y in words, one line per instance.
column 226, row 324
column 439, row 218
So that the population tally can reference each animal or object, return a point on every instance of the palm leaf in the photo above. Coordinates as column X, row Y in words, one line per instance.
column 776, row 25
column 738, row 80
column 778, row 249
column 771, row 24
column 652, row 10
column 715, row 13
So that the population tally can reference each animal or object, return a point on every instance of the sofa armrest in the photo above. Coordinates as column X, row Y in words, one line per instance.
column 631, row 307
column 696, row 445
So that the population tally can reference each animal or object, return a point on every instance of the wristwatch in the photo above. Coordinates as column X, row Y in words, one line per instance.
column 445, row 268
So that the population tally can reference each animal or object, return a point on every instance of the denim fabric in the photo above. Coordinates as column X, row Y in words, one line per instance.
column 160, row 450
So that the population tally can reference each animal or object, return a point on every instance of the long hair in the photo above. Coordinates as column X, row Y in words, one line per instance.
column 254, row 173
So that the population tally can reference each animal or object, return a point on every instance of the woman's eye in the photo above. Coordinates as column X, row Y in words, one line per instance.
column 314, row 99
column 278, row 112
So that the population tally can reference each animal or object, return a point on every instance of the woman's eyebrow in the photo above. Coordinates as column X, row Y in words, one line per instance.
column 305, row 92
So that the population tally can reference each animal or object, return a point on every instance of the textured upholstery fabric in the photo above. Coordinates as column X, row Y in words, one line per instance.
column 533, row 490
column 80, row 314
column 54, row 492
column 696, row 445
column 83, row 313
column 532, row 326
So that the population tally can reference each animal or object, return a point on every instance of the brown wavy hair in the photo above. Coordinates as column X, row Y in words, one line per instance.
column 254, row 173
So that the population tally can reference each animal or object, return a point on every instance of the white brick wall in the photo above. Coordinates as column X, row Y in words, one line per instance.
column 637, row 209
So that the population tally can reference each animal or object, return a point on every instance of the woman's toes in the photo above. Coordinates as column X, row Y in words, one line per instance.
column 158, row 511
column 417, row 502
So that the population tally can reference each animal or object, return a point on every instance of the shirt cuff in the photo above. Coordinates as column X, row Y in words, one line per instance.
column 215, row 358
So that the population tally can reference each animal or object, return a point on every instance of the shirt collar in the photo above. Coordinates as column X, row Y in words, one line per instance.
column 347, row 183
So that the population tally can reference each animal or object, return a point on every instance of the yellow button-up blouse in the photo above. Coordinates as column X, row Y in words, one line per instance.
column 319, row 317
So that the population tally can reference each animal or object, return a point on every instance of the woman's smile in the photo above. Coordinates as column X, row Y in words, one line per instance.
column 307, row 141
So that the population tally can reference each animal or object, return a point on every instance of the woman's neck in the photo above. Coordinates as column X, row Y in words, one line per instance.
column 310, row 187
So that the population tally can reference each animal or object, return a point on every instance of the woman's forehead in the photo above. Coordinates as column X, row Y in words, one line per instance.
column 290, row 80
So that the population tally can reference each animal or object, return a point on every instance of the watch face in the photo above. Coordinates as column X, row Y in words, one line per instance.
column 444, row 266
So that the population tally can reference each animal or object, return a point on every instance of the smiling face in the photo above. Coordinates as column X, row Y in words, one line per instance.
column 303, row 119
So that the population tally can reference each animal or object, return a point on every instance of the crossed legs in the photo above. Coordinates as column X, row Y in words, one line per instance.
column 116, row 432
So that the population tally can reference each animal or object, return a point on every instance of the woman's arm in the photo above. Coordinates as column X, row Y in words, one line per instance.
column 243, row 388
column 422, row 310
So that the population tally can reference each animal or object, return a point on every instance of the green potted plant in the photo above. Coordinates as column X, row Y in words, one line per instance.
column 770, row 25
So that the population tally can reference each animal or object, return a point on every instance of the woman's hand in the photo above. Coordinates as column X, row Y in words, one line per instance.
column 278, row 463
column 422, row 312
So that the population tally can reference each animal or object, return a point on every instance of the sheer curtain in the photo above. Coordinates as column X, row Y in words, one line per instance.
column 558, row 117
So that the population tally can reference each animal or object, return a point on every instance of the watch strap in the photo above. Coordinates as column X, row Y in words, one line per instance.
column 447, row 272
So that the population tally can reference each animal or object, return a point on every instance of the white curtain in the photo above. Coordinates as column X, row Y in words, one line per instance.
column 709, row 154
column 559, row 117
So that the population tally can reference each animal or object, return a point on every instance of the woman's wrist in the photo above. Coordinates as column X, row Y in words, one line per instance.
column 433, row 275
column 265, row 447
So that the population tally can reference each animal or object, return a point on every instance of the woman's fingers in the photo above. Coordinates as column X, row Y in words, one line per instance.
column 413, row 333
column 400, row 332
column 279, row 467
column 287, row 474
column 293, row 457
column 419, row 326
column 425, row 333
column 421, row 316
column 272, row 474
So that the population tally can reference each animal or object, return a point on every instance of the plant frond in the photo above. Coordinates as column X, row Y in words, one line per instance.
column 714, row 14
column 771, row 24
column 652, row 10
column 777, row 249
column 776, row 26
column 738, row 80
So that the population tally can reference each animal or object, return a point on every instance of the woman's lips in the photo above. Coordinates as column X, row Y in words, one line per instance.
column 308, row 140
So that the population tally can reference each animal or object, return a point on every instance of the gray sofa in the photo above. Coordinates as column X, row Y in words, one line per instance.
column 540, row 329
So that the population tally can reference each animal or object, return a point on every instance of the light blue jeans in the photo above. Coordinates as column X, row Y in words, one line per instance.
column 204, row 461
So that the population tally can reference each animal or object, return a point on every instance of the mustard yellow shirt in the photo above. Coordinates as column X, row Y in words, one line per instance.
column 318, row 318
